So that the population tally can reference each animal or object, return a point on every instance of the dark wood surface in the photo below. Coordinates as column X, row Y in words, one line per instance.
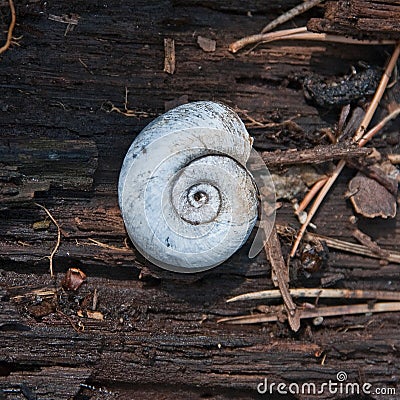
column 374, row 19
column 60, row 147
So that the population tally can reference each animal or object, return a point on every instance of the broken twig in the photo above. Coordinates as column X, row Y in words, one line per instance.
column 320, row 293
column 331, row 311
column 280, row 277
column 301, row 34
column 316, row 155
column 373, row 131
column 70, row 19
column 107, row 246
column 310, row 195
column 365, row 240
column 354, row 248
column 287, row 16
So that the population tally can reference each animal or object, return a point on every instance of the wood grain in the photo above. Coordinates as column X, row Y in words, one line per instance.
column 159, row 338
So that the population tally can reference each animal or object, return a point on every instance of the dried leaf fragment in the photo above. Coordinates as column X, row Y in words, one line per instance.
column 371, row 199
column 207, row 45
column 73, row 279
column 169, row 58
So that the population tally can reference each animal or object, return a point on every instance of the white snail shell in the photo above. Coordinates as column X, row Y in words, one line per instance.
column 187, row 199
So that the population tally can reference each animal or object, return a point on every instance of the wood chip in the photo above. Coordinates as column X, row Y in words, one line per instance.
column 207, row 45
column 169, row 59
column 371, row 199
column 95, row 315
column 359, row 18
column 41, row 225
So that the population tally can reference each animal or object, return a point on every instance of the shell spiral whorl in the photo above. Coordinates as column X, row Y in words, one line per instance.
column 186, row 196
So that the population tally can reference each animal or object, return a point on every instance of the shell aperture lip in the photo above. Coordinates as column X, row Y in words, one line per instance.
column 187, row 198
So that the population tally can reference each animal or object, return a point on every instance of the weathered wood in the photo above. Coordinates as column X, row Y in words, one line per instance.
column 159, row 337
column 363, row 19
column 43, row 383
column 35, row 165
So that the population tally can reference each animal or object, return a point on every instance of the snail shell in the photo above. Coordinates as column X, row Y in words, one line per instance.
column 187, row 199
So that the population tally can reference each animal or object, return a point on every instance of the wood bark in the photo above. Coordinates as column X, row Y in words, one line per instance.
column 371, row 19
column 61, row 147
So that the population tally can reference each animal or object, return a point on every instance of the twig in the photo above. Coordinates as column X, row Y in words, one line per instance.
column 378, row 94
column 50, row 257
column 310, row 195
column 326, row 37
column 369, row 135
column 317, row 312
column 320, row 293
column 85, row 66
column 10, row 28
column 239, row 44
column 294, row 12
column 65, row 19
column 314, row 208
column 280, row 277
column 107, row 246
column 71, row 20
column 316, row 155
column 355, row 248
column 358, row 135
column 366, row 241
column 301, row 34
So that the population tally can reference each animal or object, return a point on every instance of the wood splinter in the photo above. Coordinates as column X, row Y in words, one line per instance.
column 330, row 311
column 320, row 293
column 280, row 277
column 169, row 59
column 294, row 12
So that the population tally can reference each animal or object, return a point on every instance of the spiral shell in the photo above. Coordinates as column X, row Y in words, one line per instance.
column 186, row 197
